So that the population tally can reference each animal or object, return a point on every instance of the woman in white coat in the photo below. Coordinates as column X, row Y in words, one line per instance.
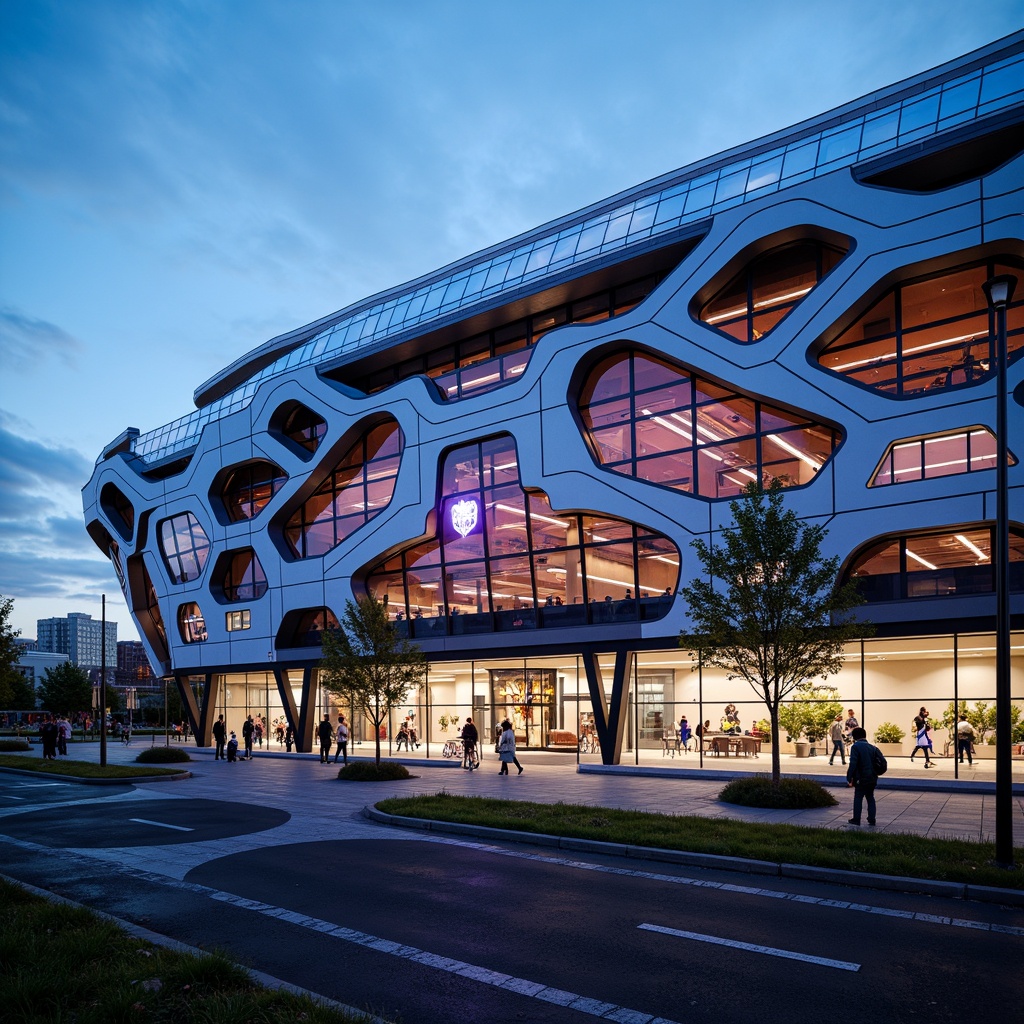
column 507, row 748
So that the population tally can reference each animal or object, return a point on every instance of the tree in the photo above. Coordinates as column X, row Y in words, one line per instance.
column 367, row 665
column 10, row 652
column 65, row 688
column 770, row 611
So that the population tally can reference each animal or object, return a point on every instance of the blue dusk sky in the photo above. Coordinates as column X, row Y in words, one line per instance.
column 184, row 179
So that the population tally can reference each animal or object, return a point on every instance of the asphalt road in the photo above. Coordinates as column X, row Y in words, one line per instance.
column 425, row 929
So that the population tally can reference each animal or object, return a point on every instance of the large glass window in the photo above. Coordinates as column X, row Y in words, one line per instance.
column 496, row 357
column 654, row 421
column 357, row 489
column 962, row 451
column 191, row 624
column 304, row 427
column 185, row 547
column 118, row 510
column 939, row 564
column 243, row 578
column 768, row 288
column 249, row 488
column 928, row 334
column 503, row 559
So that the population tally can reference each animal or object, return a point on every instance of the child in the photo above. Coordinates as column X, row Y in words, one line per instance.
column 233, row 748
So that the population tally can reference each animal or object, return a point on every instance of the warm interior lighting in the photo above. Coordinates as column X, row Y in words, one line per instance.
column 918, row 558
column 973, row 548
column 534, row 515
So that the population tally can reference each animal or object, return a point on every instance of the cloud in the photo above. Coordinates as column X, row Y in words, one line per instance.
column 33, row 470
column 24, row 339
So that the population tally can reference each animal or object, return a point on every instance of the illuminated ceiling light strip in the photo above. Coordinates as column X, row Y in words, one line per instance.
column 973, row 548
column 793, row 450
column 534, row 515
column 918, row 558
column 908, row 351
column 774, row 300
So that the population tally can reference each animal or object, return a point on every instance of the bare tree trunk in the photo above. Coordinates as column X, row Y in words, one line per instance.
column 776, row 760
column 376, row 726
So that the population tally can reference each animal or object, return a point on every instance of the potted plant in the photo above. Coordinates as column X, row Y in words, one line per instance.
column 889, row 739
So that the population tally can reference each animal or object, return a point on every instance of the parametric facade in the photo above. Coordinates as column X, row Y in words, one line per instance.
column 517, row 451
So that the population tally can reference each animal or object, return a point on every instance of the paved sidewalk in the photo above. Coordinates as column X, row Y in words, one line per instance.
column 945, row 809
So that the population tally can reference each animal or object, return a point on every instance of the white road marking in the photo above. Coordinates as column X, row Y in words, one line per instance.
column 162, row 824
column 788, row 954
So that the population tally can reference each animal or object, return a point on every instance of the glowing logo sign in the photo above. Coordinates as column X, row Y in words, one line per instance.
column 464, row 516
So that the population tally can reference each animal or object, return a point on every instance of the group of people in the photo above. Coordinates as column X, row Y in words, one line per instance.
column 54, row 733
column 840, row 735
column 327, row 733
column 407, row 737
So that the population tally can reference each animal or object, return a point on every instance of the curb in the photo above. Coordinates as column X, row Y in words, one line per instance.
column 130, row 780
column 857, row 879
column 837, row 781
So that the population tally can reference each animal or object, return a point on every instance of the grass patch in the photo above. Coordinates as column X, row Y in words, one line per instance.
column 789, row 794
column 62, row 963
column 370, row 771
column 81, row 769
column 163, row 755
column 882, row 853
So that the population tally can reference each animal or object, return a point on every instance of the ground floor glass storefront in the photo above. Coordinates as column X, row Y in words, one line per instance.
column 549, row 702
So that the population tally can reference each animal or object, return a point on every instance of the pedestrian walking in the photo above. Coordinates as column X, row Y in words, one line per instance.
column 838, row 738
column 325, row 733
column 965, row 740
column 923, row 733
column 507, row 748
column 289, row 738
column 248, row 729
column 341, row 734
column 867, row 762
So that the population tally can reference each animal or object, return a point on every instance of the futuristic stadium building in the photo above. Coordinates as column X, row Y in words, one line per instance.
column 517, row 451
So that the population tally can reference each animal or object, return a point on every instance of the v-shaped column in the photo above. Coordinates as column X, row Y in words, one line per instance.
column 610, row 714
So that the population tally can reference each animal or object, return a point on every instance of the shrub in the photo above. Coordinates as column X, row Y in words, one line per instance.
column 162, row 755
column 790, row 794
column 889, row 732
column 15, row 745
column 370, row 771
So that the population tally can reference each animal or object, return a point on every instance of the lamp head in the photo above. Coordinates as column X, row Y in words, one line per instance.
column 999, row 290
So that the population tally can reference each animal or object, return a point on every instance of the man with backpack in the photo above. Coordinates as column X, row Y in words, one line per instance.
column 867, row 762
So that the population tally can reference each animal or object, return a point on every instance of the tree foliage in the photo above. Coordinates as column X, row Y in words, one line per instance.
column 10, row 651
column 770, row 611
column 65, row 689
column 811, row 712
column 367, row 665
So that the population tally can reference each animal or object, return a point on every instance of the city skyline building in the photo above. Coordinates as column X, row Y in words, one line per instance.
column 516, row 451
column 80, row 637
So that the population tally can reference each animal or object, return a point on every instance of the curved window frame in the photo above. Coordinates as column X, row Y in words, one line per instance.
column 191, row 623
column 642, row 414
column 897, row 333
column 184, row 545
column 755, row 310
column 909, row 460
column 938, row 563
column 249, row 488
column 240, row 576
column 503, row 560
column 364, row 475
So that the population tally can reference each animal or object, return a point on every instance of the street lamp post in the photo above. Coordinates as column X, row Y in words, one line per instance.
column 999, row 292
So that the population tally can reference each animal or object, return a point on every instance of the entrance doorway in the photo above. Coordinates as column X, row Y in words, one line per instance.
column 526, row 697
